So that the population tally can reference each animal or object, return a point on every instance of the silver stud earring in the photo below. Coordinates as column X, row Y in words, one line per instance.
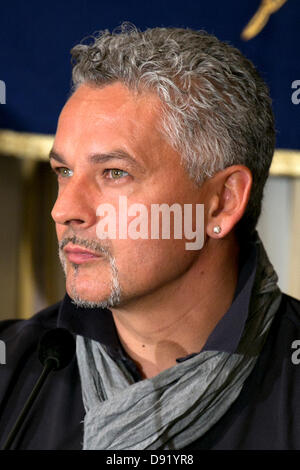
column 217, row 229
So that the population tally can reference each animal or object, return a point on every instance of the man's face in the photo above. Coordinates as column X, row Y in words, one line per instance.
column 108, row 144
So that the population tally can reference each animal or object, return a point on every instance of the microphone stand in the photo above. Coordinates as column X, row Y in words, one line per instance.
column 49, row 366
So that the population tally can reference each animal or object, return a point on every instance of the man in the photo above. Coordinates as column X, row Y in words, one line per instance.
column 176, row 348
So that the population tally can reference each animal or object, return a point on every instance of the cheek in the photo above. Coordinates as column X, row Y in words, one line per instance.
column 151, row 262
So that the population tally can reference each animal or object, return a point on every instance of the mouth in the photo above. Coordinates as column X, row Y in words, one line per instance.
column 78, row 255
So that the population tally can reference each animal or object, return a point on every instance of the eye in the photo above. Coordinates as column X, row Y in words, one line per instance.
column 115, row 173
column 63, row 171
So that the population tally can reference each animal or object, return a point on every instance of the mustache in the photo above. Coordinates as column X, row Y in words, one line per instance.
column 89, row 244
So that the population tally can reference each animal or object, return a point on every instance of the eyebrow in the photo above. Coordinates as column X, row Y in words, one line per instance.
column 97, row 158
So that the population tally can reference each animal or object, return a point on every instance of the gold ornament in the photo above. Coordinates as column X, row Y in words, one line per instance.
column 261, row 17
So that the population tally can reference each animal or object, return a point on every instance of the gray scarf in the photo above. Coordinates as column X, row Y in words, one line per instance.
column 177, row 406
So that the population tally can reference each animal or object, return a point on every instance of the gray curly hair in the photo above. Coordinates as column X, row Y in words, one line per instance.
column 217, row 109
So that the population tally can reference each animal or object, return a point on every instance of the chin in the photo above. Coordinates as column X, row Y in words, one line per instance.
column 90, row 293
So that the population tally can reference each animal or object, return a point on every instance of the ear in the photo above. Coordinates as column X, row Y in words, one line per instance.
column 230, row 193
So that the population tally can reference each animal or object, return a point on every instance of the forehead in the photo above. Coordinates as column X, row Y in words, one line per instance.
column 111, row 107
column 96, row 119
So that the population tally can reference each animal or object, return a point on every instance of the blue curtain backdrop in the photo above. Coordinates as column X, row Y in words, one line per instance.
column 36, row 38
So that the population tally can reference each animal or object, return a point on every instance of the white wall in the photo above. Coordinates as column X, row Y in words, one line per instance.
column 275, row 227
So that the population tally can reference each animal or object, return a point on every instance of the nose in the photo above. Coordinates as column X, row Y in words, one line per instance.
column 74, row 204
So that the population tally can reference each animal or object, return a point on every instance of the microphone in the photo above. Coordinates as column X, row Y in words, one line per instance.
column 55, row 351
column 57, row 345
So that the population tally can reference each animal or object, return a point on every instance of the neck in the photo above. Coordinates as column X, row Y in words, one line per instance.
column 177, row 320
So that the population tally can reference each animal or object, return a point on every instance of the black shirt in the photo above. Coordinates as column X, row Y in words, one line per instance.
column 266, row 414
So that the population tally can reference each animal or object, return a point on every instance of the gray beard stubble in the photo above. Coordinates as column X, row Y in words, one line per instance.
column 114, row 298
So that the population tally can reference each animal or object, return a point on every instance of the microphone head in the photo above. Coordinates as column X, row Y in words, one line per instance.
column 59, row 345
